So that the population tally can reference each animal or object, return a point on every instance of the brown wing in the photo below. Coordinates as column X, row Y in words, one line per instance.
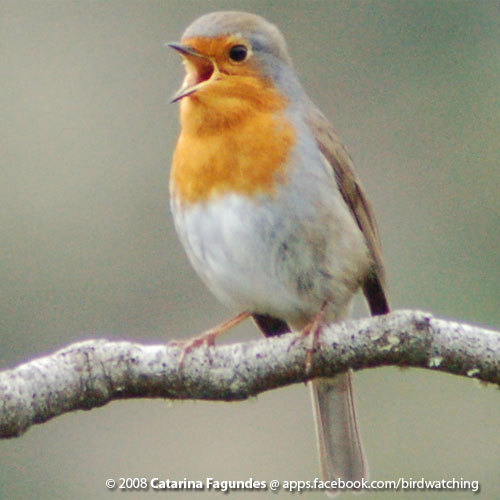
column 349, row 185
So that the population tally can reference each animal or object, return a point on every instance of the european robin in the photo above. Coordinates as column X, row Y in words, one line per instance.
column 267, row 204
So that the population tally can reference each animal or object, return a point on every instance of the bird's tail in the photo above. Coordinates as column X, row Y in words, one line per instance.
column 339, row 443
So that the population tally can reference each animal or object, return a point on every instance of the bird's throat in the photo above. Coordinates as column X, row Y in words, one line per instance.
column 233, row 140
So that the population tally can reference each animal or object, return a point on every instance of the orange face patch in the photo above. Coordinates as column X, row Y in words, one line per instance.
column 235, row 136
column 218, row 49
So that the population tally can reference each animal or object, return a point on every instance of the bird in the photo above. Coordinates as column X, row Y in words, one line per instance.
column 268, row 207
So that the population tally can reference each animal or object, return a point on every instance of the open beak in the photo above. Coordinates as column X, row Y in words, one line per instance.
column 200, row 68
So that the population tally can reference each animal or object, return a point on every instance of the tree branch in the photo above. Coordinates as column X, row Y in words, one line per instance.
column 89, row 374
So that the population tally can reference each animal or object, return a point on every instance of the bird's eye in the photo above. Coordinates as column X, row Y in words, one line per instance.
column 238, row 53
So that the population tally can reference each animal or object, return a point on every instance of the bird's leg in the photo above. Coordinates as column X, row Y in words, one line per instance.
column 312, row 331
column 208, row 337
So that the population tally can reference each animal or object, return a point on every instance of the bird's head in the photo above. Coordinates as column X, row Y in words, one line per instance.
column 231, row 54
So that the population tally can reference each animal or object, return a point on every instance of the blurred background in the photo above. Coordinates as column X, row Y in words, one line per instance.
column 88, row 248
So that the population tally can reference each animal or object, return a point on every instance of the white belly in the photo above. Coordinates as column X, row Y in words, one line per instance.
column 282, row 256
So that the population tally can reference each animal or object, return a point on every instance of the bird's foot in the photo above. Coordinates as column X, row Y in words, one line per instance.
column 206, row 338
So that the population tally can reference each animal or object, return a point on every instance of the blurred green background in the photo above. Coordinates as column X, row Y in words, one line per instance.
column 88, row 247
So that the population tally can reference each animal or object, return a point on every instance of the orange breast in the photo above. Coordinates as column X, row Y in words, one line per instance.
column 234, row 138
